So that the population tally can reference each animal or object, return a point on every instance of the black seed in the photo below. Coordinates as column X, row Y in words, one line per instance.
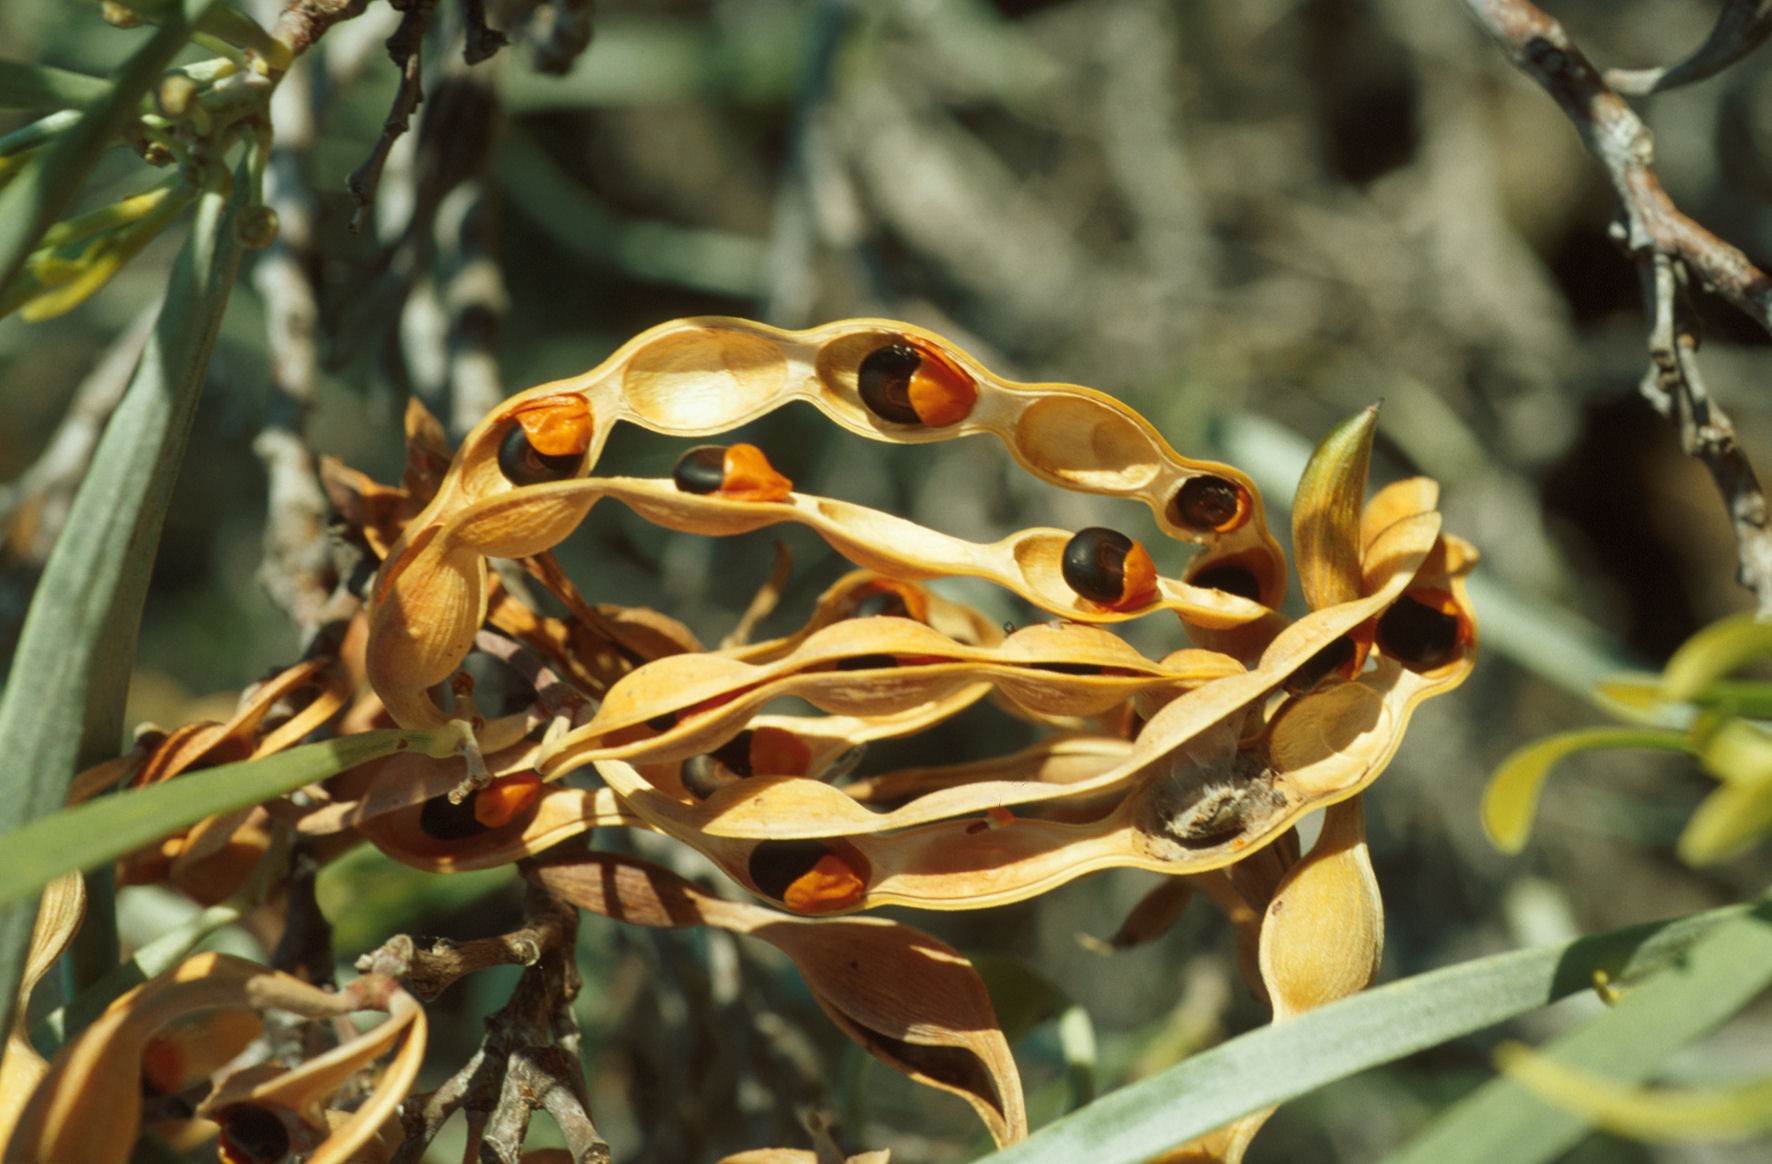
column 735, row 753
column 701, row 470
column 775, row 865
column 522, row 465
column 881, row 602
column 254, row 1134
column 1095, row 563
column 884, row 381
column 1417, row 635
column 1205, row 503
column 663, row 722
column 443, row 821
column 1237, row 580
column 866, row 662
column 1331, row 658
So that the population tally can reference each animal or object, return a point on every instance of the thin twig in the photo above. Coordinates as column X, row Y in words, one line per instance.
column 304, row 21
column 528, row 1061
column 406, row 47
column 1666, row 244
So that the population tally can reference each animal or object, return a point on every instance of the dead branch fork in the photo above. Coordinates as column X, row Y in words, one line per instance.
column 1668, row 247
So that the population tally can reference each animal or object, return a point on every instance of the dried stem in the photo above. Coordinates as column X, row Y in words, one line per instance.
column 528, row 1061
column 406, row 47
column 304, row 21
column 1666, row 245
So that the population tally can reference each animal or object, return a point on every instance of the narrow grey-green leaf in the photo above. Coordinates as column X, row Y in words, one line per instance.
column 90, row 834
column 1720, row 974
column 1286, row 1060
column 34, row 200
column 63, row 702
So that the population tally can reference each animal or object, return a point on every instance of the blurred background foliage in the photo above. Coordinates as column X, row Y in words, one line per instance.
column 1246, row 219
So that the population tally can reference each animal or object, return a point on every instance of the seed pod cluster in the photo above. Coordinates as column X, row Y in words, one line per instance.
column 1184, row 764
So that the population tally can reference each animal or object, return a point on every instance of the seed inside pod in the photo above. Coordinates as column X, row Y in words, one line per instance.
column 909, row 383
column 805, row 875
column 1230, row 578
column 523, row 464
column 701, row 470
column 767, row 751
column 442, row 821
column 735, row 753
column 740, row 472
column 1423, row 630
column 1210, row 504
column 1105, row 566
column 251, row 1134
column 491, row 807
column 500, row 802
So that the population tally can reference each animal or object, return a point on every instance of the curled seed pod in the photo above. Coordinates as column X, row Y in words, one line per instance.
column 1230, row 578
column 909, row 383
column 1423, row 630
column 523, row 464
column 806, row 876
column 1209, row 503
column 1105, row 566
column 701, row 470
